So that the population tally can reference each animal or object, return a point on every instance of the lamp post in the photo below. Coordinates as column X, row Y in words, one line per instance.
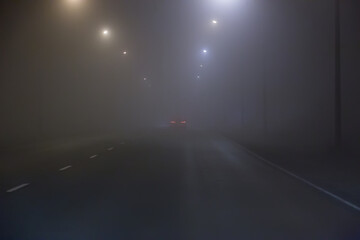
column 337, row 90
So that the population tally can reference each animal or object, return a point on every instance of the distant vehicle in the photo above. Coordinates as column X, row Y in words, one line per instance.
column 178, row 123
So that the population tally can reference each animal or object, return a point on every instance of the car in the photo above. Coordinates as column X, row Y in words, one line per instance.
column 178, row 123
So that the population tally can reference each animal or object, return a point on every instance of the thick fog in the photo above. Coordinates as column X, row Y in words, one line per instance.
column 268, row 74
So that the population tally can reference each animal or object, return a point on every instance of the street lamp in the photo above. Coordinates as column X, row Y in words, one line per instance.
column 125, row 53
column 205, row 51
column 338, row 96
column 105, row 32
column 214, row 22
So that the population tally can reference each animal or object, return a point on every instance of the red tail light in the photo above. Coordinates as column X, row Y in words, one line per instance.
column 172, row 122
column 183, row 122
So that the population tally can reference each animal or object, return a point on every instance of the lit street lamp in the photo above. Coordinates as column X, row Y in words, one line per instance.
column 105, row 32
column 214, row 22
column 205, row 51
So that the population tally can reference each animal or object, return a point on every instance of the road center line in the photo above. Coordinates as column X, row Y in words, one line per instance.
column 94, row 156
column 18, row 187
column 110, row 149
column 65, row 168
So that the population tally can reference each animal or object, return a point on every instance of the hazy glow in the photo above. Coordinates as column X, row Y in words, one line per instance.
column 145, row 79
column 74, row 5
column 214, row 21
column 201, row 65
column 205, row 51
column 198, row 77
column 225, row 2
column 227, row 5
column 74, row 2
column 105, row 33
column 125, row 52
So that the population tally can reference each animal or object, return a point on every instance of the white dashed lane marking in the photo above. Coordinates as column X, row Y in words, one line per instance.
column 110, row 149
column 65, row 168
column 18, row 187
column 93, row 156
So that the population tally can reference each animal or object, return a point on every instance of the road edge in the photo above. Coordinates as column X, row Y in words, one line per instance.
column 324, row 191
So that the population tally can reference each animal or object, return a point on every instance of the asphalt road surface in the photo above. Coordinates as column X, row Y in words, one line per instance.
column 164, row 185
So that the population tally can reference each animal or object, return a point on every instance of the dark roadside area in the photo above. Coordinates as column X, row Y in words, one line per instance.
column 20, row 163
column 334, row 171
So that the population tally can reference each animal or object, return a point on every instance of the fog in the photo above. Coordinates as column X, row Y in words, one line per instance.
column 179, row 119
column 268, row 76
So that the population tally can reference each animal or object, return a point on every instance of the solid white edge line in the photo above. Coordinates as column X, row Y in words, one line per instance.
column 94, row 156
column 18, row 187
column 352, row 205
column 65, row 168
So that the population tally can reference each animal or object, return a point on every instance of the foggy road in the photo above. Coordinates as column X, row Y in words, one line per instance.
column 188, row 120
column 168, row 185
